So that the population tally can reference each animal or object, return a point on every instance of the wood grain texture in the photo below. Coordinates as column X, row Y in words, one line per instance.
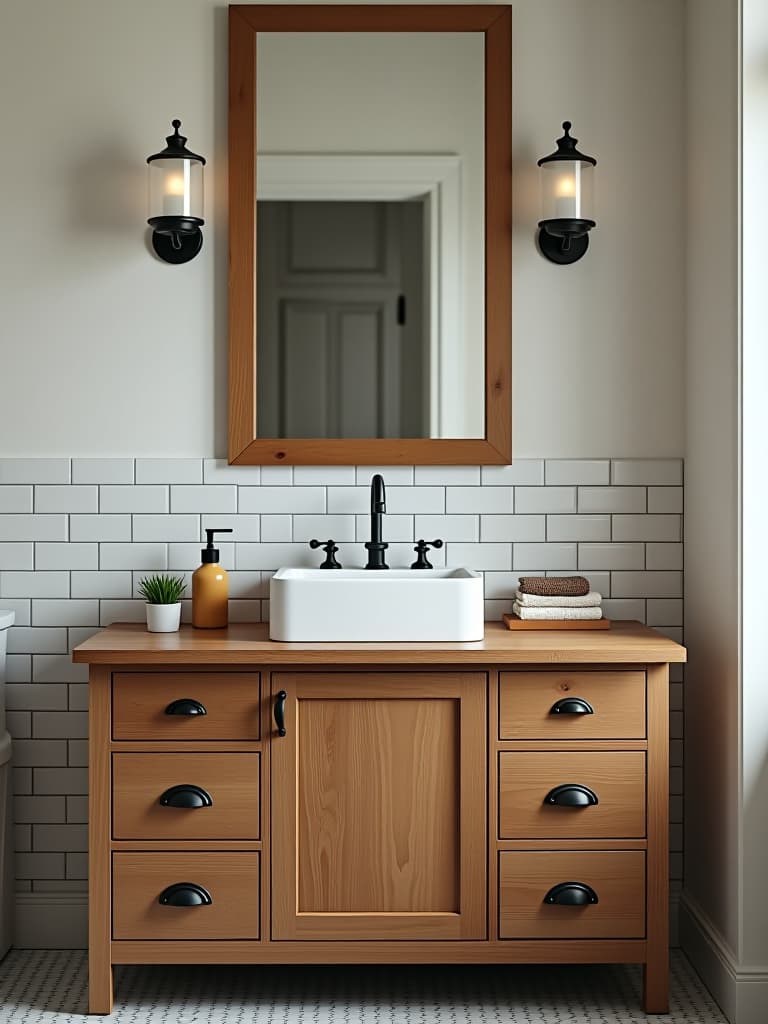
column 232, row 703
column 551, row 951
column 249, row 644
column 526, row 700
column 616, row 777
column 245, row 22
column 618, row 878
column 99, row 820
column 231, row 780
column 232, row 879
column 378, row 828
column 656, row 972
column 513, row 622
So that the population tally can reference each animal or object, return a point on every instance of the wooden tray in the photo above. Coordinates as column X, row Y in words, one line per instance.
column 512, row 622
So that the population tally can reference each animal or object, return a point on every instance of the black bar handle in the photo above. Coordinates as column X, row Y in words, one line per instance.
column 280, row 712
column 421, row 549
column 186, row 795
column 572, row 706
column 330, row 548
column 571, row 794
column 571, row 894
column 186, row 706
column 185, row 894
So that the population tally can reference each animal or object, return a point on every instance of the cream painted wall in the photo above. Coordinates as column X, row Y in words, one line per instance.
column 107, row 351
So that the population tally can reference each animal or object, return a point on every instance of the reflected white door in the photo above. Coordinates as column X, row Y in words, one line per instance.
column 341, row 350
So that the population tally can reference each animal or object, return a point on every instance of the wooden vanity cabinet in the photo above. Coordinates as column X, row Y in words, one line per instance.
column 496, row 802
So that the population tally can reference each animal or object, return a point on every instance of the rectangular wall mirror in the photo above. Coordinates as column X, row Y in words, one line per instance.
column 370, row 234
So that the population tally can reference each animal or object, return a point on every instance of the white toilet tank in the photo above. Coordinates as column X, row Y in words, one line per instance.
column 6, row 843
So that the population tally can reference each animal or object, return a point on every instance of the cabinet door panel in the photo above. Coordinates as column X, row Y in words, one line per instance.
column 378, row 809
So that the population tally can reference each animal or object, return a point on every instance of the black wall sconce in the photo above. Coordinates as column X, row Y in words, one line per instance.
column 176, row 200
column 567, row 201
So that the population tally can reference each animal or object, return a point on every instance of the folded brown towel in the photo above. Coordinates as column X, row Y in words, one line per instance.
column 554, row 586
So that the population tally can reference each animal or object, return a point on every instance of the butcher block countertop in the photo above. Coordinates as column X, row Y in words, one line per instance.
column 129, row 643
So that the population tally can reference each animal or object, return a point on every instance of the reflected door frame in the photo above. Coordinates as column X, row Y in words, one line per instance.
column 434, row 178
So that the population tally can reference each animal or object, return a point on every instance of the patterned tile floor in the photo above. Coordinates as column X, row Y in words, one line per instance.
column 50, row 987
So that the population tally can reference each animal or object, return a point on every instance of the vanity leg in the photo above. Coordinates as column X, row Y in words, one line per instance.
column 656, row 970
column 99, row 874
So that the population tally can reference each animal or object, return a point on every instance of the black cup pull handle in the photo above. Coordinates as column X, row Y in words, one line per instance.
column 280, row 712
column 572, row 706
column 186, row 706
column 571, row 794
column 186, row 795
column 571, row 894
column 185, row 894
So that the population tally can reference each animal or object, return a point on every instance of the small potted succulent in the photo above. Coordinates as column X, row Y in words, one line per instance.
column 163, row 596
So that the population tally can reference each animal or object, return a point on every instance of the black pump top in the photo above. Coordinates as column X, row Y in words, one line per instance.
column 209, row 552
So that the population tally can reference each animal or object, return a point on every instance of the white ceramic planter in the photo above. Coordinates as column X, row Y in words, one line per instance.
column 163, row 618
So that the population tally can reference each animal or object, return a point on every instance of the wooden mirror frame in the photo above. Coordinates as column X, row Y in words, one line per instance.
column 245, row 21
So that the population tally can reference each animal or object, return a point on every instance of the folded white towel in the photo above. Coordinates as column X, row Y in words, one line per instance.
column 556, row 613
column 590, row 600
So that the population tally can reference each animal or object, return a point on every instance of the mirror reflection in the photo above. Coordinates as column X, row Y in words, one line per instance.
column 370, row 242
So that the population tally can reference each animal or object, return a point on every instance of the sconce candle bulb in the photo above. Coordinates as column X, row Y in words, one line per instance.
column 176, row 199
column 567, row 195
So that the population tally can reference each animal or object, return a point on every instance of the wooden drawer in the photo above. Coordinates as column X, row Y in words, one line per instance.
column 231, row 879
column 615, row 777
column 232, row 781
column 617, row 877
column 140, row 701
column 527, row 699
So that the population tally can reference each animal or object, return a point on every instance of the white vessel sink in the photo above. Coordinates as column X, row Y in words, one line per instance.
column 351, row 605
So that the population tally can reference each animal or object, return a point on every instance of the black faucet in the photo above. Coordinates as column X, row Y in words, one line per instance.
column 376, row 547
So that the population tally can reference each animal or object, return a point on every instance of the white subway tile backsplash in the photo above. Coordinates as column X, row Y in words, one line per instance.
column 37, row 753
column 102, row 471
column 442, row 476
column 444, row 527
column 15, row 498
column 37, row 696
column 57, row 668
column 612, row 499
column 83, row 498
column 647, row 527
column 579, row 527
column 66, row 556
column 243, row 527
column 104, row 583
column 345, row 500
column 78, row 696
column 394, row 476
column 16, row 556
column 624, row 608
column 40, row 865
column 665, row 499
column 247, row 585
column 121, row 611
column 545, row 499
column 647, row 584
column 495, row 609
column 273, row 556
column 80, row 612
column 33, row 527
column 39, row 809
column 218, row 471
column 274, row 528
column 543, row 556
column 277, row 476
column 523, row 473
column 34, row 471
column 501, row 585
column 282, row 499
column 245, row 611
column 322, row 528
column 480, row 556
column 60, row 724
column 667, row 472
column 304, row 476
column 21, row 606
column 18, row 667
column 166, row 528
column 60, row 780
column 664, row 556
column 60, row 837
column 665, row 612
column 488, row 500
column 513, row 528
column 150, row 557
column 612, row 556
column 577, row 471
column 34, row 584
column 144, row 498
column 416, row 500
column 169, row 471
column 396, row 528
column 100, row 528
column 37, row 640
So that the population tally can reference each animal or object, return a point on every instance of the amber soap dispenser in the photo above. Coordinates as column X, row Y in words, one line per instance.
column 210, row 589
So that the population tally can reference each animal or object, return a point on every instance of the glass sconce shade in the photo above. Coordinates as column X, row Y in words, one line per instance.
column 176, row 199
column 567, row 201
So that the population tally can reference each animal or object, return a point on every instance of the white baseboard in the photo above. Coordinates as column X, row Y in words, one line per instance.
column 48, row 920
column 742, row 992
